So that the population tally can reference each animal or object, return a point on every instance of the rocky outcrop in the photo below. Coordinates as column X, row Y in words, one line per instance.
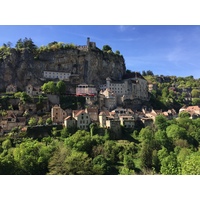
column 93, row 66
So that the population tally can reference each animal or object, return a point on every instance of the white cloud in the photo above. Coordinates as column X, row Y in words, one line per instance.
column 122, row 28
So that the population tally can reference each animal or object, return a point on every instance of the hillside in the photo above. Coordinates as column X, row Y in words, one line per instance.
column 25, row 65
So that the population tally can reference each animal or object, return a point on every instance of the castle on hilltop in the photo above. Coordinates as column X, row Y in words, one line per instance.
column 89, row 45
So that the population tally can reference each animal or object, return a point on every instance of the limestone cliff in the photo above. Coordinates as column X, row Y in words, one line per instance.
column 93, row 66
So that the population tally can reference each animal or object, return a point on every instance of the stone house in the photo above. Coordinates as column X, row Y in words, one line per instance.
column 11, row 88
column 107, row 99
column 93, row 113
column 115, row 128
column 82, row 118
column 70, row 122
column 58, row 114
column 127, row 121
column 131, row 86
column 194, row 111
column 11, row 121
column 33, row 91
column 102, row 119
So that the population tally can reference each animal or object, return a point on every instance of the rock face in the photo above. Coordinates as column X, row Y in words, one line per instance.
column 93, row 66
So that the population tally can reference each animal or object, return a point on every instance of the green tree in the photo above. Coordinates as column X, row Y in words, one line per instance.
column 65, row 132
column 40, row 121
column 191, row 165
column 61, row 87
column 195, row 93
column 161, row 122
column 49, row 87
column 26, row 43
column 66, row 161
column 100, row 165
column 32, row 121
column 184, row 114
column 80, row 141
column 176, row 132
column 49, row 121
column 32, row 157
column 6, row 144
column 8, row 166
column 106, row 48
column 195, row 101
column 117, row 52
column 169, row 165
column 92, row 128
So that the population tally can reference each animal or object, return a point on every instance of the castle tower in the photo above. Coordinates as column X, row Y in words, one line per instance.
column 88, row 41
column 108, row 82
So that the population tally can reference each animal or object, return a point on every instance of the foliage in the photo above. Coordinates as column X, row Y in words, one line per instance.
column 106, row 48
column 32, row 121
column 49, row 121
column 26, row 43
column 61, row 87
column 117, row 52
column 49, row 87
column 23, row 96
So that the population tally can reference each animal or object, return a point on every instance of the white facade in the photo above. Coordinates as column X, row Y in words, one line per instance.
column 83, row 120
column 56, row 74
column 85, row 89
column 133, row 86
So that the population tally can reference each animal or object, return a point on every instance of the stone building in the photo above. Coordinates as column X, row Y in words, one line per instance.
column 70, row 122
column 60, row 75
column 93, row 113
column 107, row 99
column 58, row 114
column 127, row 121
column 33, row 91
column 132, row 86
column 11, row 88
column 86, row 90
column 82, row 118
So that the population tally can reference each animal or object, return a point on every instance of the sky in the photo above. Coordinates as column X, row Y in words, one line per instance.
column 163, row 49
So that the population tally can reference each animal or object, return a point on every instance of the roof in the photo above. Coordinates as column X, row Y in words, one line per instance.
column 193, row 108
column 69, row 118
column 79, row 113
column 92, row 109
column 106, row 113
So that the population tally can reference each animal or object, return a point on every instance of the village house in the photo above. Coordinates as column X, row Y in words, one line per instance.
column 58, row 114
column 11, row 88
column 170, row 114
column 122, row 111
column 93, row 113
column 103, row 116
column 82, row 118
column 33, row 91
column 147, row 121
column 127, row 121
column 70, row 122
column 152, row 114
column 107, row 99
column 11, row 120
column 115, row 128
column 194, row 111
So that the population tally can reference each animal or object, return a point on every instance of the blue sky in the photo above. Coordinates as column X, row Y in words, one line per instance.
column 163, row 49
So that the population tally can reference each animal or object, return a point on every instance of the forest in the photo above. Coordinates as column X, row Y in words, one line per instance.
column 169, row 147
